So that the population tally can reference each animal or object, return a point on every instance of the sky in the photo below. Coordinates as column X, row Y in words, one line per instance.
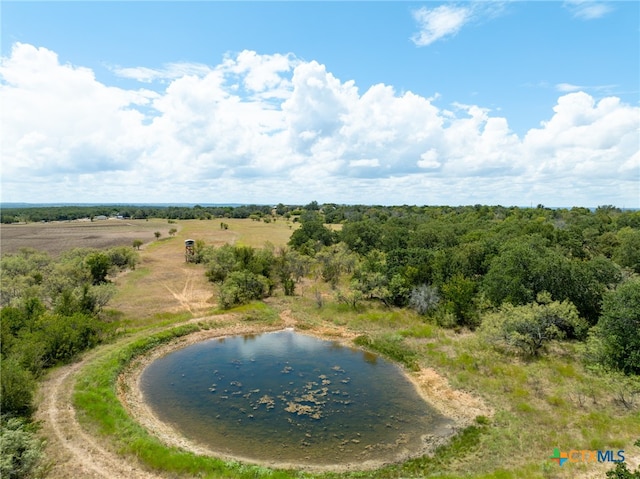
column 420, row 103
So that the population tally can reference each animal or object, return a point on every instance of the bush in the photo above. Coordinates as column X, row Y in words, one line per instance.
column 98, row 264
column 241, row 287
column 424, row 298
column 527, row 329
column 20, row 451
column 17, row 388
column 621, row 472
column 123, row 257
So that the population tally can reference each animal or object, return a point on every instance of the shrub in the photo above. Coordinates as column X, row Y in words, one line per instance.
column 621, row 472
column 17, row 388
column 241, row 287
column 20, row 451
column 424, row 298
column 98, row 264
column 527, row 329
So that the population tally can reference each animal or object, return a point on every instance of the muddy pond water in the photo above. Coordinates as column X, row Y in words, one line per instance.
column 289, row 398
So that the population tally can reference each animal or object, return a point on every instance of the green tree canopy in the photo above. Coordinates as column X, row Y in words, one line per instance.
column 619, row 327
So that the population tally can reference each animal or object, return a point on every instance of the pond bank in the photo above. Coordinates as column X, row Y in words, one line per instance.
column 461, row 407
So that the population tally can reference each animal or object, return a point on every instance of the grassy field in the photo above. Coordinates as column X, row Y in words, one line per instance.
column 536, row 405
column 164, row 283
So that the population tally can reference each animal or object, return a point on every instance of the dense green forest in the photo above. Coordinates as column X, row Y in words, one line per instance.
column 524, row 276
column 520, row 277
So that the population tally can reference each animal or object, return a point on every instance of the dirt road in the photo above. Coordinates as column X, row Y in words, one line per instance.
column 72, row 452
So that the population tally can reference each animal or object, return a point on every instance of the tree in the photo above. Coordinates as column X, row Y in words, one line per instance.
column 137, row 243
column 370, row 278
column 335, row 260
column 173, row 231
column 157, row 234
column 627, row 254
column 511, row 275
column 619, row 328
column 289, row 266
column 98, row 264
column 458, row 294
column 313, row 206
column 312, row 232
column 361, row 236
column 241, row 287
column 222, row 262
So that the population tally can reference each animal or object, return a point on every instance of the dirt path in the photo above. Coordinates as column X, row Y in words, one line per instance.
column 71, row 451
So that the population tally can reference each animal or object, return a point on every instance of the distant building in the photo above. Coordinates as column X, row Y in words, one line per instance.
column 100, row 217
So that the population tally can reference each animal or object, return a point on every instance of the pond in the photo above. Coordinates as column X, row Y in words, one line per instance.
column 288, row 398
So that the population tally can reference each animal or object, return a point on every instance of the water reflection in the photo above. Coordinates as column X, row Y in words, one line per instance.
column 287, row 397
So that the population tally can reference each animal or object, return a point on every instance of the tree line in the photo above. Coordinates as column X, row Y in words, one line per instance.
column 69, row 213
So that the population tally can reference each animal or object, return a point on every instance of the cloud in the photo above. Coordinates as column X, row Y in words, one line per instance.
column 59, row 118
column 264, row 128
column 447, row 20
column 568, row 87
column 588, row 9
column 586, row 140
column 440, row 22
column 170, row 71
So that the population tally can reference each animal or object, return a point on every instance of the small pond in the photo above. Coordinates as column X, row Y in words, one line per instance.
column 288, row 398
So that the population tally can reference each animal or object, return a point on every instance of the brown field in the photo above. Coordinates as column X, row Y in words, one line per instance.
column 59, row 236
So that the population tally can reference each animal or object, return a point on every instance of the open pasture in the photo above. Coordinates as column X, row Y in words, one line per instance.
column 56, row 237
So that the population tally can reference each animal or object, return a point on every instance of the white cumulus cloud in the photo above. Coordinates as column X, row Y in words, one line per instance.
column 263, row 128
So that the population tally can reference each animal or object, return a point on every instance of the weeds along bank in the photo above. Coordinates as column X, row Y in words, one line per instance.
column 533, row 310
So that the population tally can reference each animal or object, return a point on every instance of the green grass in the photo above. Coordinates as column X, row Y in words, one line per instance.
column 391, row 346
column 255, row 311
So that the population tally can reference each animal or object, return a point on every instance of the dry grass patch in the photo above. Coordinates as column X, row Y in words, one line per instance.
column 167, row 284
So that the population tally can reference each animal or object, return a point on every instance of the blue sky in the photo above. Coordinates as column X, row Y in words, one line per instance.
column 350, row 102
